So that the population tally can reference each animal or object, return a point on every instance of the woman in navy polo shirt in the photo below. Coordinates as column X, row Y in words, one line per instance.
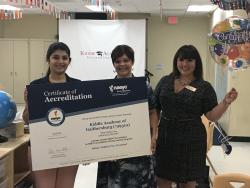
column 58, row 58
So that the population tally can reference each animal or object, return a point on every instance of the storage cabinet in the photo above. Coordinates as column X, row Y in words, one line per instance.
column 6, row 62
column 14, row 161
column 22, row 60
column 20, row 71
column 14, row 67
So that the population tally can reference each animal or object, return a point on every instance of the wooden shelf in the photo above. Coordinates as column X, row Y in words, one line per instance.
column 20, row 176
column 13, row 143
column 15, row 154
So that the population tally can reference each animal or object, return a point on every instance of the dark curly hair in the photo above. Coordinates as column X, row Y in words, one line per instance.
column 120, row 50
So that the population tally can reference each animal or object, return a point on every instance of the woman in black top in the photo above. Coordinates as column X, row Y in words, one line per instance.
column 58, row 58
column 136, row 172
column 181, row 99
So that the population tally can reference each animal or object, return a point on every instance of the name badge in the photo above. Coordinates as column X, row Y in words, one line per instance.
column 191, row 88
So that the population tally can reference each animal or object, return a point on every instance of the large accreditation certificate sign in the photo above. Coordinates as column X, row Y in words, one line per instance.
column 84, row 122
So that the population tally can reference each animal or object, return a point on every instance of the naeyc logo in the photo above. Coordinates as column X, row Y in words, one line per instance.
column 55, row 117
column 119, row 90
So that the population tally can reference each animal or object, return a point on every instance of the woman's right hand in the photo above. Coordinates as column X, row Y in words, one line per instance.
column 230, row 96
column 26, row 95
column 25, row 111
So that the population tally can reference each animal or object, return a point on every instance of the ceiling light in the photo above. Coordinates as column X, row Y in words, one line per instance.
column 201, row 8
column 99, row 8
column 8, row 7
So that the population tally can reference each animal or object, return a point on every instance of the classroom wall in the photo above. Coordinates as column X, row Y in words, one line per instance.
column 239, row 115
column 162, row 39
column 162, row 42
column 1, row 29
column 30, row 26
column 165, row 39
column 235, row 122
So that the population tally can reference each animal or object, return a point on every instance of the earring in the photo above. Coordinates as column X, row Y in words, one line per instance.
column 114, row 71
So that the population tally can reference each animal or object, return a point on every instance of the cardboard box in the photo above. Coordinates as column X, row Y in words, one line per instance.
column 14, row 130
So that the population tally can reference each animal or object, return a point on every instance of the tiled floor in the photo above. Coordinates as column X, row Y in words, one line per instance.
column 86, row 176
column 238, row 161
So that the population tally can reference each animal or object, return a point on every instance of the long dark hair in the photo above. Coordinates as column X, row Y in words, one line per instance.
column 56, row 46
column 188, row 52
column 121, row 50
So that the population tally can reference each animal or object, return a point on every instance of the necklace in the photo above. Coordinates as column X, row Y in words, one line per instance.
column 184, row 83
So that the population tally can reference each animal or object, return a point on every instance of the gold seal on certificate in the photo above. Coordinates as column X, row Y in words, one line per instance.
column 55, row 116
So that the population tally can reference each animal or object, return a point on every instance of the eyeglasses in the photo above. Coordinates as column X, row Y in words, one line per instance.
column 125, row 60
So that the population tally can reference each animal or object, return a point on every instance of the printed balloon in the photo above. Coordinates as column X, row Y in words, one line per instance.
column 233, row 52
column 245, row 51
column 218, row 49
column 230, row 42
column 239, row 63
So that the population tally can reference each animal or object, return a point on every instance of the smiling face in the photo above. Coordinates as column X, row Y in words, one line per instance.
column 187, row 62
column 186, row 67
column 58, row 62
column 123, row 66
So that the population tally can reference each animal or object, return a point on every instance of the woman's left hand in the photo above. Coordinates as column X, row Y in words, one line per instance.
column 230, row 96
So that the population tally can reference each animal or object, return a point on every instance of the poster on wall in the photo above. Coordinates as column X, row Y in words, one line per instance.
column 75, row 125
column 92, row 41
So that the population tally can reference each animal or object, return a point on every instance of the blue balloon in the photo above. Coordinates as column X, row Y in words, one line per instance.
column 243, row 24
column 218, row 49
column 248, row 26
column 239, row 63
column 8, row 109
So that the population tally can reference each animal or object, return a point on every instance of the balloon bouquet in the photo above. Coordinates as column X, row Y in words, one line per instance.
column 233, row 4
column 229, row 43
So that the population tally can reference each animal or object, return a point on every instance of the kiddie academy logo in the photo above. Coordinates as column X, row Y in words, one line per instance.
column 95, row 54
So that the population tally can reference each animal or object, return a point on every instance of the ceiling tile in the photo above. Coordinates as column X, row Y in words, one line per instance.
column 170, row 7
